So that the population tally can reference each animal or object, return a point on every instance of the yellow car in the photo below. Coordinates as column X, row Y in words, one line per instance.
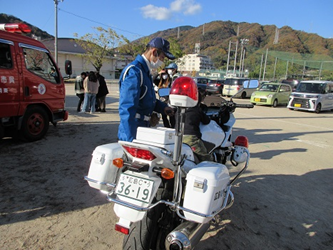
column 271, row 94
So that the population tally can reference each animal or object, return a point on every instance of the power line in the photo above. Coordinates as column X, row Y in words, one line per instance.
column 100, row 23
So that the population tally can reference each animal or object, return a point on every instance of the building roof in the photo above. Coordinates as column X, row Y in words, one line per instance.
column 65, row 45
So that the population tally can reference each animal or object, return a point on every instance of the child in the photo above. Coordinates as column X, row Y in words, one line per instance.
column 192, row 135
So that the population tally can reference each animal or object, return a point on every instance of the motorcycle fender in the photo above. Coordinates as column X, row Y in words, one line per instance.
column 130, row 214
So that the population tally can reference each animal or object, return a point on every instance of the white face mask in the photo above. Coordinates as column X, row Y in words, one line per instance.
column 156, row 65
column 170, row 71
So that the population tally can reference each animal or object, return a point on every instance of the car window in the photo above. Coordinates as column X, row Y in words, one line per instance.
column 5, row 56
column 310, row 87
column 268, row 87
column 39, row 63
column 330, row 88
column 285, row 88
column 231, row 82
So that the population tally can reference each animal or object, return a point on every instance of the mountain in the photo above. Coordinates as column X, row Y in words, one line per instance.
column 214, row 38
column 4, row 18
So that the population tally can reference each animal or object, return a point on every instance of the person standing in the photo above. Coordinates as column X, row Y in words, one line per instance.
column 79, row 90
column 101, row 94
column 137, row 99
column 90, row 85
column 164, row 80
column 172, row 70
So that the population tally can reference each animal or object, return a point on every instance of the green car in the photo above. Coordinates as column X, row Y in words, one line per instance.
column 271, row 94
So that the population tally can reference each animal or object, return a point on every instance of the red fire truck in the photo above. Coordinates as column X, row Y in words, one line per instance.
column 32, row 91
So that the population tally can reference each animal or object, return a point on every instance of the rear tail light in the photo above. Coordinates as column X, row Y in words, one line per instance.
column 140, row 153
column 121, row 229
column 242, row 141
column 15, row 27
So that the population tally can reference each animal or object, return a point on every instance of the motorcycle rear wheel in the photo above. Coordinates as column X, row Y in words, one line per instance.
column 143, row 234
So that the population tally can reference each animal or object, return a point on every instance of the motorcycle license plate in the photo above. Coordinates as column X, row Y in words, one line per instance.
column 135, row 187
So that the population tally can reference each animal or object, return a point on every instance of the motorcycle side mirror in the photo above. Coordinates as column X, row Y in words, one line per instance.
column 163, row 92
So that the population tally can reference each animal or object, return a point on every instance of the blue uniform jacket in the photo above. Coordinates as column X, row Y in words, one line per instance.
column 130, row 103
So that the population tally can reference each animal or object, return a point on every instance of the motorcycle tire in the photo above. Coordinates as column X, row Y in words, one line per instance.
column 168, row 222
column 143, row 234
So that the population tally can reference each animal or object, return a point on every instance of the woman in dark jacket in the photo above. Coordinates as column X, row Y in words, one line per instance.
column 102, row 92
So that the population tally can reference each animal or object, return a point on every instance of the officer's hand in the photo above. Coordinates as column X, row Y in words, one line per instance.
column 169, row 111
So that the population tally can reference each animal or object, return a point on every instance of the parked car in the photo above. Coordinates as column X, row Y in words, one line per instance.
column 271, row 94
column 292, row 82
column 201, row 82
column 232, row 86
column 215, row 86
column 312, row 95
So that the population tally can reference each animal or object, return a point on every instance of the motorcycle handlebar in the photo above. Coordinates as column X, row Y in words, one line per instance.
column 248, row 106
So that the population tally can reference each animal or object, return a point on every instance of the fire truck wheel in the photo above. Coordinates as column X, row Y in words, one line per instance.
column 35, row 124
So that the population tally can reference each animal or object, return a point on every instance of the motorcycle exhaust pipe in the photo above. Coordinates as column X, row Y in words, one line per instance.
column 186, row 236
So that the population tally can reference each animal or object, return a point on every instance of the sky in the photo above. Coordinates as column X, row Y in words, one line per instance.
column 137, row 18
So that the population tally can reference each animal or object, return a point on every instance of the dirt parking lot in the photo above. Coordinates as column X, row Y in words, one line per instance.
column 283, row 201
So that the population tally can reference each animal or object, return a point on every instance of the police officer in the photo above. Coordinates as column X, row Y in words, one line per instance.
column 137, row 99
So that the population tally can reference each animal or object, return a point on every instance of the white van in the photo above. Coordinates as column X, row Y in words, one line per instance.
column 233, row 86
column 312, row 96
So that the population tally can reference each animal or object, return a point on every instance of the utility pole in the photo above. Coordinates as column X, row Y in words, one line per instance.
column 235, row 58
column 242, row 55
column 274, row 68
column 263, row 78
column 56, row 30
column 228, row 58
column 287, row 70
column 321, row 67
column 262, row 59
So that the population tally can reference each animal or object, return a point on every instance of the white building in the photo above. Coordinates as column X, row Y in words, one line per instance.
column 68, row 49
column 194, row 63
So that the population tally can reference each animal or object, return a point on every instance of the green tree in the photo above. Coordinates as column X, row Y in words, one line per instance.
column 99, row 46
column 134, row 48
column 139, row 46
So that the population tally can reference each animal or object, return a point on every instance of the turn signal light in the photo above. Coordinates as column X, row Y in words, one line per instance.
column 167, row 174
column 242, row 141
column 118, row 162
column 121, row 229
column 140, row 153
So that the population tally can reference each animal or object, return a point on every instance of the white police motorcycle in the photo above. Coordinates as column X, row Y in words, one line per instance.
column 164, row 197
